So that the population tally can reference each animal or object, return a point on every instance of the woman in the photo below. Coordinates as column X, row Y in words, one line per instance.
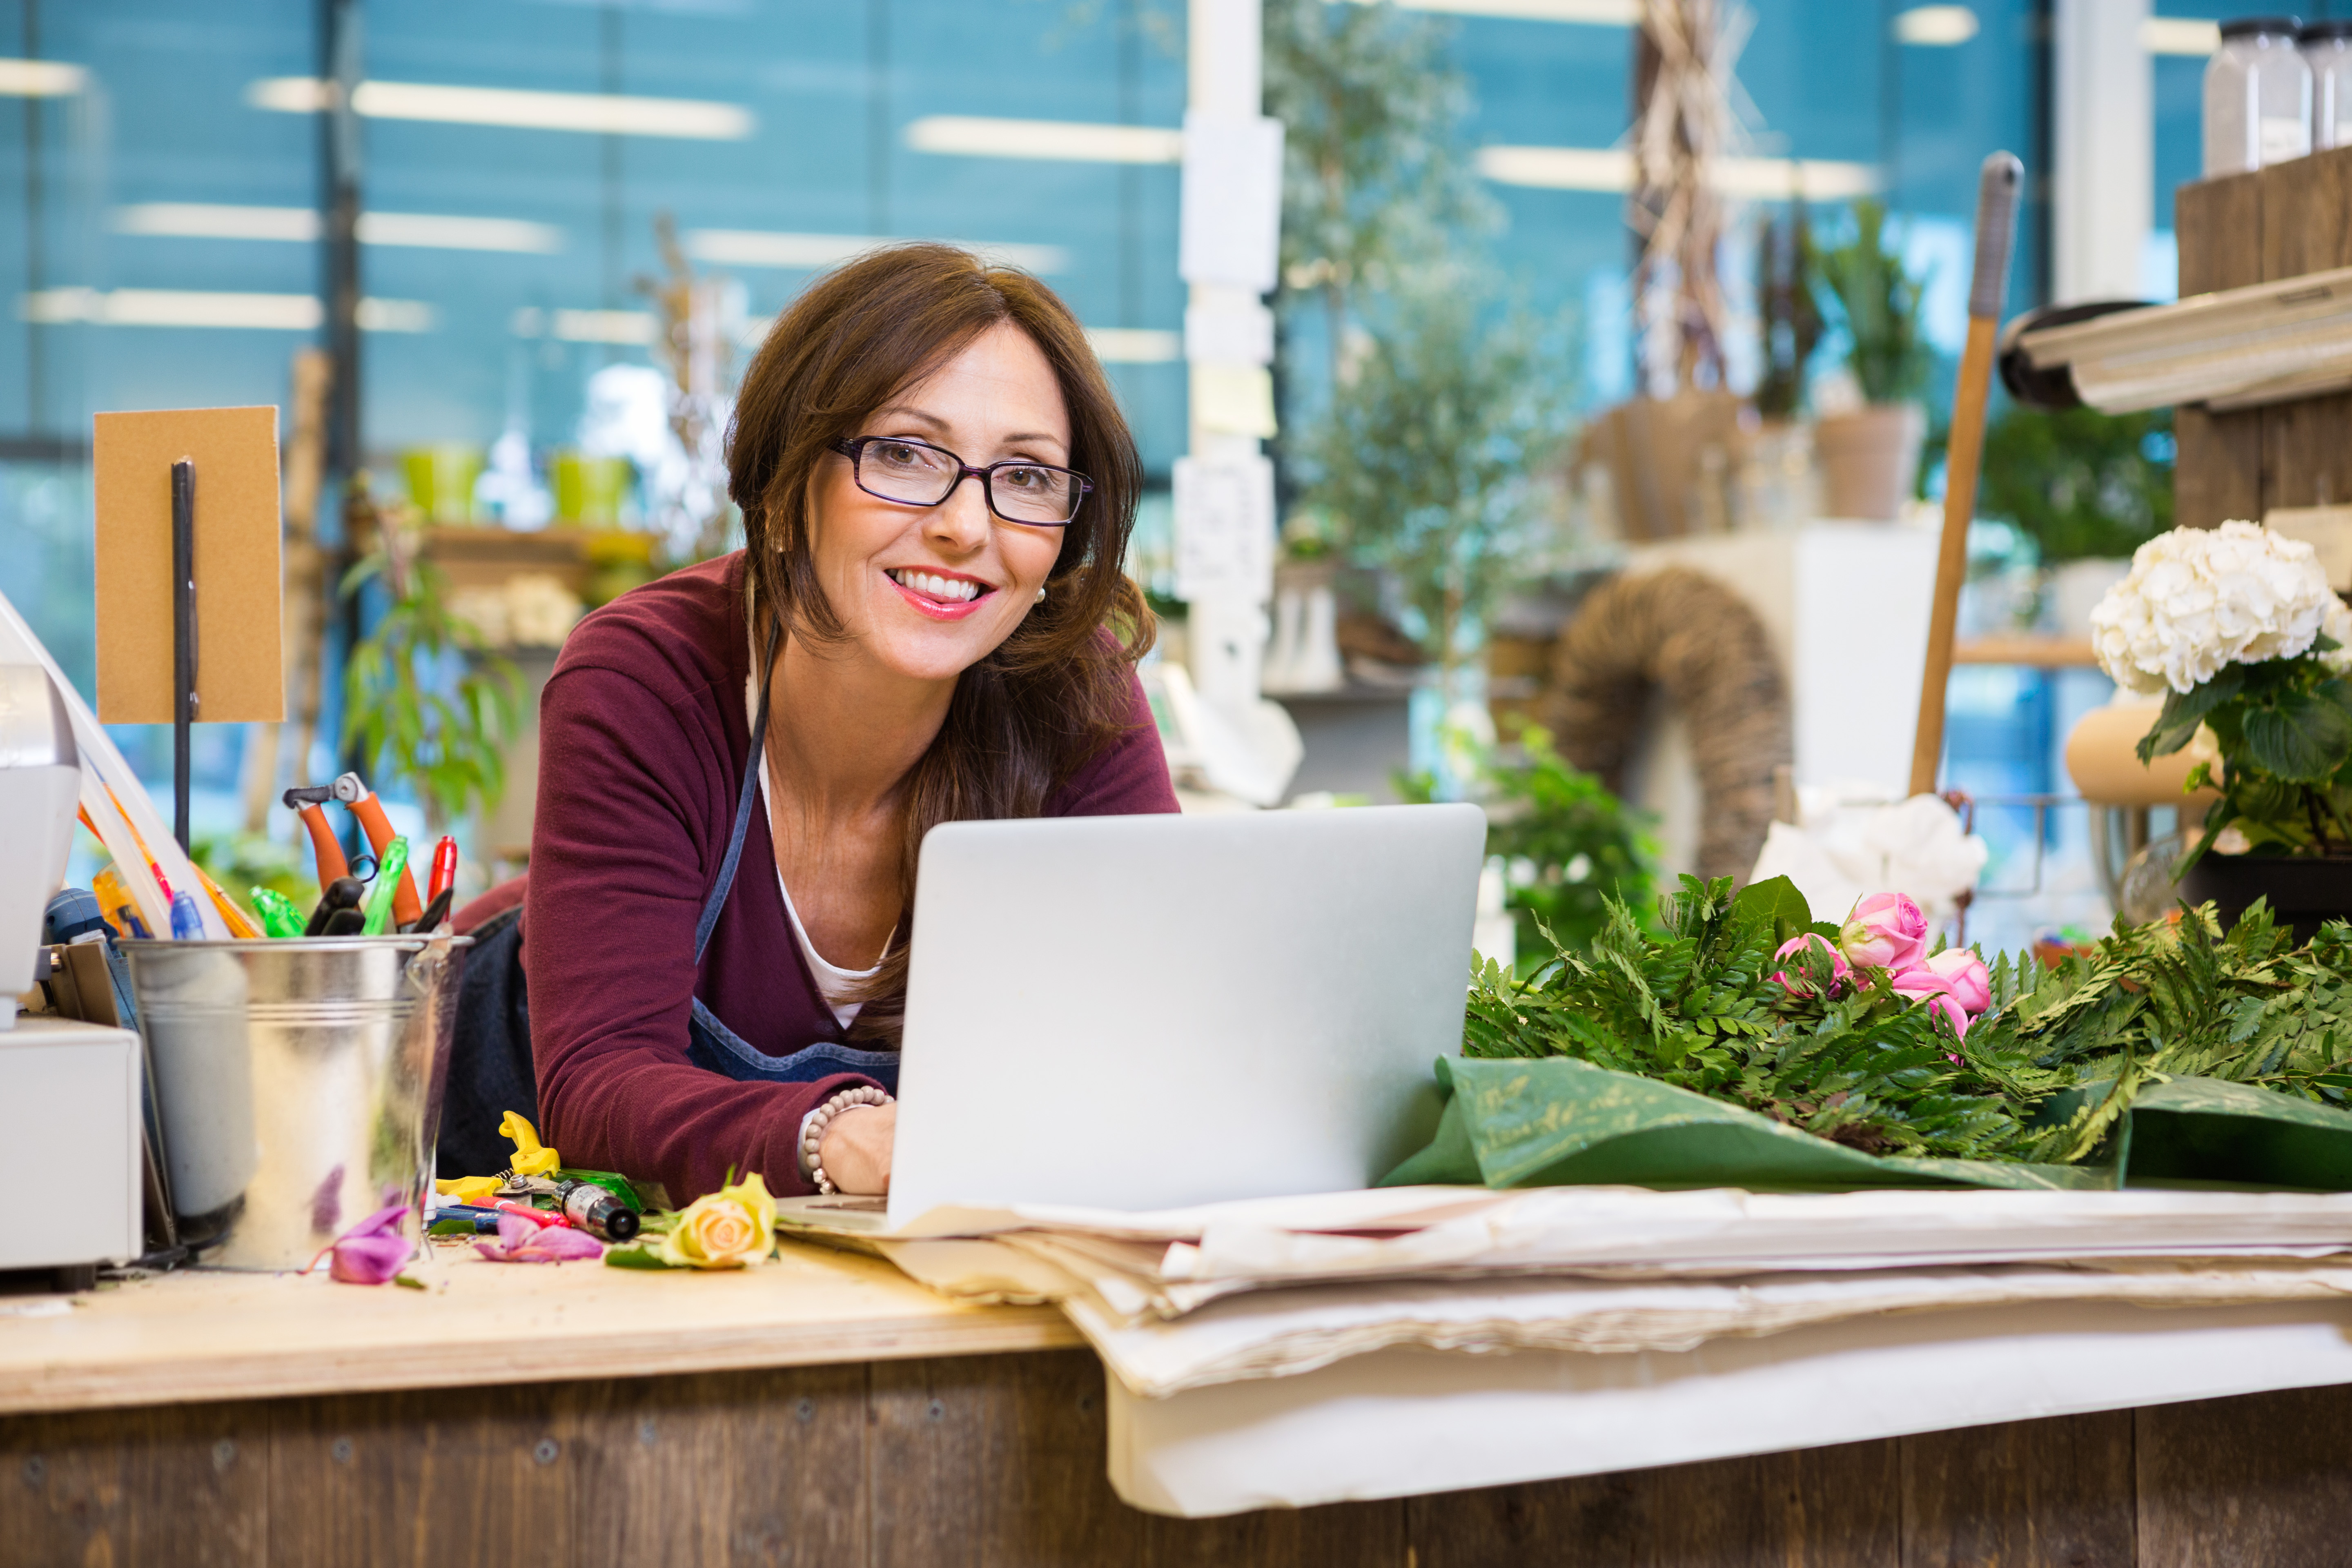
column 929, row 622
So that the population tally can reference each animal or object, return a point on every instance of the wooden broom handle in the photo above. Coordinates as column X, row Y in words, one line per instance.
column 1997, row 190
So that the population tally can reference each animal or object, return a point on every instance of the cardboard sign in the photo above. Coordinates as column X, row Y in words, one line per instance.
column 239, row 674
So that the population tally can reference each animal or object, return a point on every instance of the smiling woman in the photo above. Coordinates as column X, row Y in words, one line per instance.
column 929, row 622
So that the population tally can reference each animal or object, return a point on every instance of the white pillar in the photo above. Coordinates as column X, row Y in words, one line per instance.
column 1225, row 518
column 2103, row 194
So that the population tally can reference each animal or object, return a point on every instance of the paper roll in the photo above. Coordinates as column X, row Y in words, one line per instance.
column 2101, row 759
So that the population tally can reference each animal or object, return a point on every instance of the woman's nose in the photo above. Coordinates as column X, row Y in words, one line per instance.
column 962, row 521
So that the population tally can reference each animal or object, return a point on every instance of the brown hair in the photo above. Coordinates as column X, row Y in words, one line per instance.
column 1054, row 692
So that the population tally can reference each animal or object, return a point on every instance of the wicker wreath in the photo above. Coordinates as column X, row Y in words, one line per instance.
column 1685, row 637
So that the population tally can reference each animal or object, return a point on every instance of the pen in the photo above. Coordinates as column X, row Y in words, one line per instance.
column 391, row 877
column 444, row 869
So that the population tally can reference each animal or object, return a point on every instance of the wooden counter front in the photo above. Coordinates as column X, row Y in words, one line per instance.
column 627, row 1419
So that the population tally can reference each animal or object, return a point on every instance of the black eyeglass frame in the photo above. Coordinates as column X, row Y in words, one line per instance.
column 853, row 448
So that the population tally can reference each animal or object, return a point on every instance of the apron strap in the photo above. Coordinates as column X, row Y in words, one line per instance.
column 744, row 797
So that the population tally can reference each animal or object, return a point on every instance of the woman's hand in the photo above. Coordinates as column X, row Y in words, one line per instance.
column 856, row 1148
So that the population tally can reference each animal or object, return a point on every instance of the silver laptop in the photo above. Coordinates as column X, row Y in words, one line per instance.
column 1150, row 1011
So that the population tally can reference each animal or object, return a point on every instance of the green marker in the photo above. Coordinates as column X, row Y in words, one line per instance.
column 387, row 882
column 278, row 915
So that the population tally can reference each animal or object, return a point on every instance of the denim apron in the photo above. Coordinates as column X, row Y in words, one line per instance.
column 710, row 1043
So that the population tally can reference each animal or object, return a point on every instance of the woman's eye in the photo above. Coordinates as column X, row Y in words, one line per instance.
column 898, row 454
column 1022, row 479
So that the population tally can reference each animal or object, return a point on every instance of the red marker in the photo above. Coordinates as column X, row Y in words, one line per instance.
column 444, row 869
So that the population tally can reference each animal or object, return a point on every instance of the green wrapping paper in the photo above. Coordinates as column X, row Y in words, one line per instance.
column 1558, row 1121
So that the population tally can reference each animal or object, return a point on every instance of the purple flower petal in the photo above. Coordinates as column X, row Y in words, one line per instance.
column 369, row 1259
column 523, row 1241
column 558, row 1243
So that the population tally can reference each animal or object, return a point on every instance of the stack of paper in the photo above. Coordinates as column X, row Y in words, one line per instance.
column 1225, row 1325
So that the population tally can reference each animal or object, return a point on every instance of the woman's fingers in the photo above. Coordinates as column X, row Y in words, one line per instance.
column 856, row 1150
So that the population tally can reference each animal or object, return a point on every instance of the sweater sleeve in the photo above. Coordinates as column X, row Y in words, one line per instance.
column 624, row 848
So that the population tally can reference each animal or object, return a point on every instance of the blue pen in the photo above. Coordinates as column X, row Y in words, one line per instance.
column 187, row 925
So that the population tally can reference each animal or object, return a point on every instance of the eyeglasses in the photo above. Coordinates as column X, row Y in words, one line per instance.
column 916, row 473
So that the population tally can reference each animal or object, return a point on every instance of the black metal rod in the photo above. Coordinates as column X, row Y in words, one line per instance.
column 184, row 636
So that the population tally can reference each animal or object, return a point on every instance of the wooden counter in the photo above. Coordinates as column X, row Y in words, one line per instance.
column 824, row 1411
column 208, row 1335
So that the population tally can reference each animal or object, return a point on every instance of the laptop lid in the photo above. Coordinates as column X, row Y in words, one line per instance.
column 1147, row 1012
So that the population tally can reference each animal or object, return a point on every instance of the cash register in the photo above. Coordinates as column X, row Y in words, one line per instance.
column 72, row 1128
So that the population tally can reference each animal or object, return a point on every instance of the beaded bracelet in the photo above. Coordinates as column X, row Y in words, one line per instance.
column 813, row 1129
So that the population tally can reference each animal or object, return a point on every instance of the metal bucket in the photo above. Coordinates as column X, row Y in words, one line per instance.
column 299, row 1082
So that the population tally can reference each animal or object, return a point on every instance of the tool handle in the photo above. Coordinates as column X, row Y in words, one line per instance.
column 325, row 846
column 405, row 905
column 1996, row 192
column 1998, row 184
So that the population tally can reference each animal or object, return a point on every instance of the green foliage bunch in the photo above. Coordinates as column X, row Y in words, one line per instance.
column 2080, row 484
column 1571, row 845
column 1880, row 301
column 2043, row 1076
column 2283, row 727
column 425, row 698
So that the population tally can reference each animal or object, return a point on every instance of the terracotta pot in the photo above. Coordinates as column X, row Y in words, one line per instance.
column 1869, row 459
column 2304, row 891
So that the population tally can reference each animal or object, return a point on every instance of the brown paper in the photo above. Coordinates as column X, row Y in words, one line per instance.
column 239, row 674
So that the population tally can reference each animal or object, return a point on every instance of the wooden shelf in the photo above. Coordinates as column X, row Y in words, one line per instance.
column 2034, row 652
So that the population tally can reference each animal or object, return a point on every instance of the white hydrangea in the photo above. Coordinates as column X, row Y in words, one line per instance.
column 2200, row 598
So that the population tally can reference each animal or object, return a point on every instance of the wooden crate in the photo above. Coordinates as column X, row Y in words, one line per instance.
column 2281, row 222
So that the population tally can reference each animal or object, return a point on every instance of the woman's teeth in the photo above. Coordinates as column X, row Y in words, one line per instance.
column 952, row 589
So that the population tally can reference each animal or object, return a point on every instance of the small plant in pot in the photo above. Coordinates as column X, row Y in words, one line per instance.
column 2238, row 627
column 1869, row 456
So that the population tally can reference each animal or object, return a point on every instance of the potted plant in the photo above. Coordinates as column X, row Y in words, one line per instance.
column 2239, row 629
column 2087, row 488
column 1870, row 456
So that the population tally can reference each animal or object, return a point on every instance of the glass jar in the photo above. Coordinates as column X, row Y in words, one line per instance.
column 2257, row 97
column 2327, row 49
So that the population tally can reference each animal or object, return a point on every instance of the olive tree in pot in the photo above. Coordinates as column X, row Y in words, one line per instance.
column 1869, row 456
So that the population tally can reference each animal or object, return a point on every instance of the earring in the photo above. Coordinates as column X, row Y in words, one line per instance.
column 1041, row 593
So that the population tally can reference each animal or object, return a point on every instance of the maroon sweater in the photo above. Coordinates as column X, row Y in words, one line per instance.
column 643, row 739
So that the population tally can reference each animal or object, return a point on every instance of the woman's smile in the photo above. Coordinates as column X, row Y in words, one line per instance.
column 937, row 593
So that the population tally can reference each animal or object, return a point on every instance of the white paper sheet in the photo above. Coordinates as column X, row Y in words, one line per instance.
column 1403, row 1421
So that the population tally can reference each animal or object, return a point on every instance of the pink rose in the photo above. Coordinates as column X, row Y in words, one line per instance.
column 1966, row 979
column 1794, row 981
column 1886, row 930
column 1954, row 982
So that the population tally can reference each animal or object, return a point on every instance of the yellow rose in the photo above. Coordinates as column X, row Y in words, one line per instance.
column 725, row 1229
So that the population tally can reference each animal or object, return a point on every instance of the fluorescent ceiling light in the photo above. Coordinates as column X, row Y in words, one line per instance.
column 598, row 114
column 1136, row 345
column 191, row 307
column 1611, row 169
column 210, row 220
column 41, row 79
column 1935, row 27
column 1592, row 13
column 429, row 231
column 586, row 326
column 761, row 248
column 971, row 136
column 2180, row 35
